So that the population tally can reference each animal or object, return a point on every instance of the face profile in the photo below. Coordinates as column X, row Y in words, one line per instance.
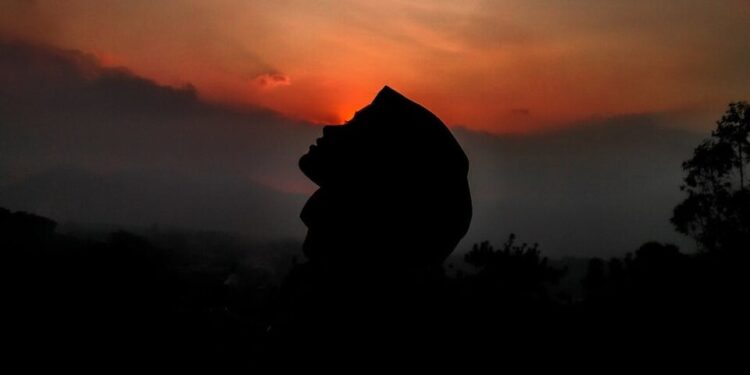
column 393, row 188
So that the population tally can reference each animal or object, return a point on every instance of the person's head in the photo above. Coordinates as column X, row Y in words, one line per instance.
column 393, row 187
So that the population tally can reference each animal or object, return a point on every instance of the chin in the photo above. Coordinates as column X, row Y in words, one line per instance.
column 305, row 163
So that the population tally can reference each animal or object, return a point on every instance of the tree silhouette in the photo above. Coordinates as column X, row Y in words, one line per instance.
column 716, row 211
column 514, row 268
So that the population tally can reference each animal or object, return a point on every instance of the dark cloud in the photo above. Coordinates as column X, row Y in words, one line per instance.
column 63, row 107
column 65, row 121
column 90, row 144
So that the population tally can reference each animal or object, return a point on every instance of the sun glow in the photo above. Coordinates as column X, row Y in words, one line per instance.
column 511, row 66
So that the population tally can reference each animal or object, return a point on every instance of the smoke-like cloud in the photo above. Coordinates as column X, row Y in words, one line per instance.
column 271, row 80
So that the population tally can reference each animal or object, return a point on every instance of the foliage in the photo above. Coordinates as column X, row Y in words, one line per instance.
column 716, row 211
column 520, row 266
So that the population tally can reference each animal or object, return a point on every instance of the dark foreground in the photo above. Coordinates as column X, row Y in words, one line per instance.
column 122, row 303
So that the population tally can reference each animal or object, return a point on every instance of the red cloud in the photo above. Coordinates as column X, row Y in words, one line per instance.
column 271, row 80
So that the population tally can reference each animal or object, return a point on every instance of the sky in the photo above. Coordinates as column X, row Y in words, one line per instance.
column 575, row 115
column 514, row 66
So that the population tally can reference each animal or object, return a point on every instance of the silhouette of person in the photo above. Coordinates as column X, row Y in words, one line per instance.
column 393, row 189
column 392, row 204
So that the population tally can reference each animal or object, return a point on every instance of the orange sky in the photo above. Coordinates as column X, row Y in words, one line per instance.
column 501, row 66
